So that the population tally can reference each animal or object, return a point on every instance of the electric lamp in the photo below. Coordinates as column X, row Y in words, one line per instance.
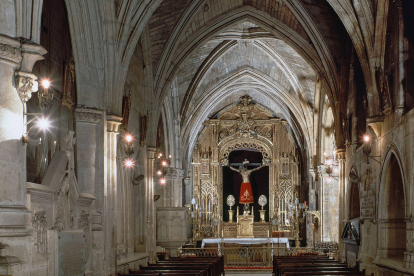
column 45, row 83
column 43, row 123
column 163, row 181
column 129, row 163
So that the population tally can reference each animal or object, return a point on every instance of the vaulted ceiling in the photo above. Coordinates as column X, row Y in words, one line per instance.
column 278, row 51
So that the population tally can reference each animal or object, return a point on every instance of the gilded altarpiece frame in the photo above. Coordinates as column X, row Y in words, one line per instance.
column 243, row 125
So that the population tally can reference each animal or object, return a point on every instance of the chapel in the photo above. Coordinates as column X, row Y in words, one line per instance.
column 268, row 137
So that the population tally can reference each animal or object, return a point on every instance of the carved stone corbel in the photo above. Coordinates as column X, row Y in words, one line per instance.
column 26, row 84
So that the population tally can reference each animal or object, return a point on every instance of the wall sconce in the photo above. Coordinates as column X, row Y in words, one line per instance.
column 129, row 150
column 366, row 149
column 45, row 98
column 42, row 124
column 129, row 163
column 129, row 145
column 161, row 166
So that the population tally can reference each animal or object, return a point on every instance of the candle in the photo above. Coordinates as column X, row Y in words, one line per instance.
column 305, row 203
column 222, row 233
column 268, row 233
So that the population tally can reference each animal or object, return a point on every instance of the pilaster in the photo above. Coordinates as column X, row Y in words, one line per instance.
column 110, row 192
column 149, row 191
column 341, row 157
column 88, row 135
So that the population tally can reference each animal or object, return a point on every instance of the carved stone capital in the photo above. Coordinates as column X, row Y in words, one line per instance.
column 341, row 154
column 112, row 123
column 26, row 84
column 86, row 115
column 151, row 152
column 10, row 50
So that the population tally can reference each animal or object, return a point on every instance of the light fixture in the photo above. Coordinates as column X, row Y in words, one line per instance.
column 366, row 149
column 45, row 83
column 129, row 145
column 42, row 123
column 45, row 98
column 129, row 163
column 161, row 169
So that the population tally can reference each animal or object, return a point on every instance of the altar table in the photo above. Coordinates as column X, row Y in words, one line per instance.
column 246, row 241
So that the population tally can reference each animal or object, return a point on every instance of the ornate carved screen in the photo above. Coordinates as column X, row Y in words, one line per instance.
column 243, row 125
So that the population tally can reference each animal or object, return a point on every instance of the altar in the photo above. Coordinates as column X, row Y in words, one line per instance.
column 246, row 241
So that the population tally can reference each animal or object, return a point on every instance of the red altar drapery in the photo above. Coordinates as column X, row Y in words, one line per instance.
column 246, row 194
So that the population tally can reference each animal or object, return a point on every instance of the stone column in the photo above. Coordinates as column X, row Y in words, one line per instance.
column 409, row 253
column 187, row 198
column 110, row 193
column 402, row 56
column 149, row 192
column 16, row 87
column 340, row 155
column 87, row 153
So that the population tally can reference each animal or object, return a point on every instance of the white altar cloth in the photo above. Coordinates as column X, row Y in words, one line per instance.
column 246, row 241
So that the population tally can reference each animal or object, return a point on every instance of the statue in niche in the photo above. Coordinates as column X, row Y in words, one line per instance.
column 246, row 193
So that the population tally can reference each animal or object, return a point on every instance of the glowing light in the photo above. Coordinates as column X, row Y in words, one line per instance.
column 43, row 123
column 324, row 153
column 45, row 84
column 366, row 138
column 128, row 138
column 160, row 154
column 334, row 152
column 329, row 179
column 163, row 181
column 164, row 163
column 159, row 172
column 329, row 161
column 169, row 156
column 129, row 163
column 335, row 170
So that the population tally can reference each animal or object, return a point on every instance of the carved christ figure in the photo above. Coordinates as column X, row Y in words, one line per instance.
column 246, row 194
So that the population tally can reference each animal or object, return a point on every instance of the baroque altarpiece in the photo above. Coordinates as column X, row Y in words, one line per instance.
column 244, row 125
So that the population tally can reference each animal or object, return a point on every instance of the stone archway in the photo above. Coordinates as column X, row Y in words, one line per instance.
column 391, row 216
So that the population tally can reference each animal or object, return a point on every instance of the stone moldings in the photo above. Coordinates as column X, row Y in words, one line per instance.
column 88, row 115
column 10, row 49
column 39, row 224
column 171, row 228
